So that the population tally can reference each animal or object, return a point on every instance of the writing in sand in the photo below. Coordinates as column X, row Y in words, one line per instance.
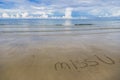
column 77, row 65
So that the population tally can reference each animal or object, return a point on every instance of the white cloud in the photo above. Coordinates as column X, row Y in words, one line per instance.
column 26, row 9
column 115, row 11
column 24, row 15
column 35, row 7
column 106, row 11
column 17, row 15
column 44, row 16
column 5, row 15
column 68, row 13
column 83, row 17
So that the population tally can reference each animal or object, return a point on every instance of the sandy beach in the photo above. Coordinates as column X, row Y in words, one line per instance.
column 63, row 57
column 59, row 39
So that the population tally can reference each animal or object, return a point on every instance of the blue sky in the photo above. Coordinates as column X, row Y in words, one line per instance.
column 58, row 8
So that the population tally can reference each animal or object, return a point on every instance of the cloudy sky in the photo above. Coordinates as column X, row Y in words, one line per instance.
column 59, row 8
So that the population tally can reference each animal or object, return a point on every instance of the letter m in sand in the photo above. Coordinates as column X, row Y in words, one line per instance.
column 61, row 65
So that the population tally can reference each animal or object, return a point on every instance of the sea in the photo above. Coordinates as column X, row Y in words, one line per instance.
column 56, row 27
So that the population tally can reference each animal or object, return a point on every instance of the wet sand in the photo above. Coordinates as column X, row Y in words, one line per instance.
column 73, row 57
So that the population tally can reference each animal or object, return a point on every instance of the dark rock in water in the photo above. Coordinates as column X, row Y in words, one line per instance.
column 82, row 24
column 2, row 24
column 59, row 25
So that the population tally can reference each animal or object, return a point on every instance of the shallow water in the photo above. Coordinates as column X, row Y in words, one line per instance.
column 57, row 27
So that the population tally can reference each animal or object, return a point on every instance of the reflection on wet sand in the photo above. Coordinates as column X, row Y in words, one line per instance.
column 85, row 57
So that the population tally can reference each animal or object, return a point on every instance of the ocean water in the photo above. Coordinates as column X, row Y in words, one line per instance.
column 57, row 26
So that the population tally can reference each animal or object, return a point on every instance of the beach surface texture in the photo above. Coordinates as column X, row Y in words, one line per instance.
column 60, row 52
